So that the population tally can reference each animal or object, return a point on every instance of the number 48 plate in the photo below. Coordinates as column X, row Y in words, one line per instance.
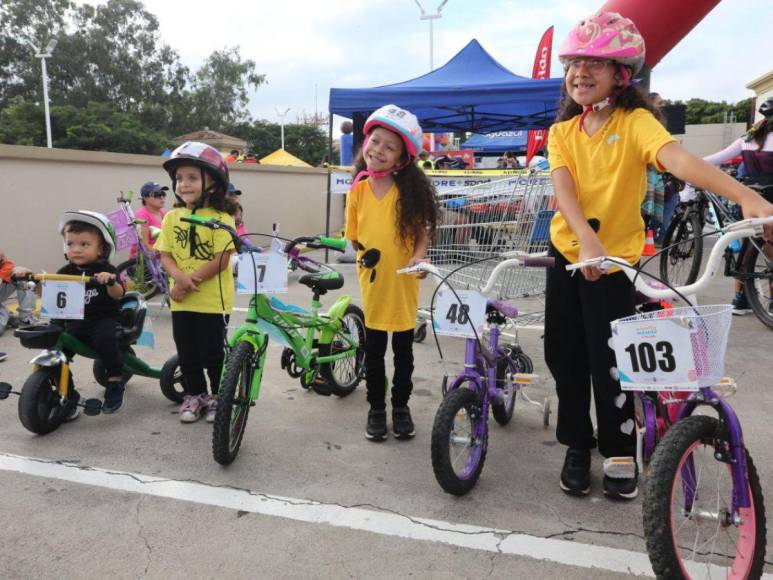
column 458, row 316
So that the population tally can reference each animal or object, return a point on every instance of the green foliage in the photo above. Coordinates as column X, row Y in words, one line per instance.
column 700, row 111
column 306, row 142
column 111, row 64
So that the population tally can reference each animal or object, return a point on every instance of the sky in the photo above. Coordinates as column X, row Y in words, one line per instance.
column 305, row 47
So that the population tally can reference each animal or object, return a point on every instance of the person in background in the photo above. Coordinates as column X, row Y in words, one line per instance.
column 25, row 296
column 424, row 162
column 250, row 158
column 233, row 157
column 153, row 197
column 756, row 149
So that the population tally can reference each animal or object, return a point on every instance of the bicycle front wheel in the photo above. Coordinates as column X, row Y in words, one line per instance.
column 459, row 441
column 681, row 262
column 128, row 273
column 344, row 374
column 688, row 521
column 758, row 289
column 233, row 403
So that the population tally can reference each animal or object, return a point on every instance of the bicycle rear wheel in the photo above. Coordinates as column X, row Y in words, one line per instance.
column 688, row 524
column 458, row 448
column 128, row 273
column 233, row 403
column 681, row 262
column 758, row 289
column 344, row 374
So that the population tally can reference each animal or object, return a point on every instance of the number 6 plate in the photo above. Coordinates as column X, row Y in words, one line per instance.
column 63, row 300
column 457, row 317
column 655, row 355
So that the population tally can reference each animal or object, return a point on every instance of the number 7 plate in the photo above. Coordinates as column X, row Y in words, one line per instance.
column 262, row 273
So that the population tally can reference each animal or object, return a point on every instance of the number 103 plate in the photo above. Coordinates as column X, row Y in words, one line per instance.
column 655, row 355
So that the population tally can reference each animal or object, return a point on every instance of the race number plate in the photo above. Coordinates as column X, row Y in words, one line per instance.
column 656, row 354
column 65, row 300
column 458, row 316
column 262, row 274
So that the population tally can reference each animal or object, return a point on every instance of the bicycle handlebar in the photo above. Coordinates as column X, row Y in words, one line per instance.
column 53, row 277
column 522, row 260
column 748, row 228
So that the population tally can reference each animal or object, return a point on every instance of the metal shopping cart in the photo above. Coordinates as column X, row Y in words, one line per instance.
column 482, row 221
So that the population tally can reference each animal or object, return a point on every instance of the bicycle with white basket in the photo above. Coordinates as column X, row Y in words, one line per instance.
column 703, row 508
column 493, row 375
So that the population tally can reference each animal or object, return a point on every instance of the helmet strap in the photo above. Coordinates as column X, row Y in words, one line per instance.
column 608, row 101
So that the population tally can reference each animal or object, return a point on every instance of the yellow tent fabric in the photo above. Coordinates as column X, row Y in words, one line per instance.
column 282, row 157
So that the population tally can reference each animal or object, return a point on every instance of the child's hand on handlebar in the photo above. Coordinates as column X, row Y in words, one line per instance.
column 758, row 207
column 413, row 261
column 592, row 248
column 105, row 278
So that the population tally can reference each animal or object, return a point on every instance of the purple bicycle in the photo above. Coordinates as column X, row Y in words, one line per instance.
column 703, row 507
column 493, row 376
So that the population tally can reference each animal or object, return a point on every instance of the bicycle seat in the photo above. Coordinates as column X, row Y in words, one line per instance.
column 323, row 281
column 505, row 309
column 131, row 318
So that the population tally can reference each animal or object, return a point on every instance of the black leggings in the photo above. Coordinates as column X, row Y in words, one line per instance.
column 100, row 334
column 577, row 318
column 199, row 340
column 375, row 370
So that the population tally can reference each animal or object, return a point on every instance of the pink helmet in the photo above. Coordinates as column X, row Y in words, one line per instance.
column 399, row 121
column 201, row 155
column 605, row 35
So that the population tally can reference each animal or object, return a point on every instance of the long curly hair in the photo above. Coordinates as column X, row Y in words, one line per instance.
column 632, row 97
column 417, row 203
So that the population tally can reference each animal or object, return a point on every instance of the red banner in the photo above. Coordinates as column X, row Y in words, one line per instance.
column 539, row 138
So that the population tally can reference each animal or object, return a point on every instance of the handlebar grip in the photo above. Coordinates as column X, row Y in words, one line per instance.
column 539, row 262
column 337, row 244
column 199, row 221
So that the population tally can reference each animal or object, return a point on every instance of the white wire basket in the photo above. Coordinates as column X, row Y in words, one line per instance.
column 672, row 349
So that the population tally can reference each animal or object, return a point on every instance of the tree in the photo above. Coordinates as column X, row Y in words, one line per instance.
column 305, row 141
column 219, row 94
column 700, row 111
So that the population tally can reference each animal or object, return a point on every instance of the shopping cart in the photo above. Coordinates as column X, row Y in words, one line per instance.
column 480, row 222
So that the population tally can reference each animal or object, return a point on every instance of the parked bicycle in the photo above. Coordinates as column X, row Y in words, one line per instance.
column 680, row 259
column 703, row 506
column 326, row 351
column 142, row 273
column 492, row 378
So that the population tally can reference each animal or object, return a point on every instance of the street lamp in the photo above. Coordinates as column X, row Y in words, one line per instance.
column 431, row 17
column 43, row 55
column 282, row 123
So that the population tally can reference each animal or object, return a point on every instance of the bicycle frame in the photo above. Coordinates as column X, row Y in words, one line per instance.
column 146, row 257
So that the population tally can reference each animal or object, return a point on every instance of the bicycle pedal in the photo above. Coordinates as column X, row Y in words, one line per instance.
column 6, row 390
column 91, row 407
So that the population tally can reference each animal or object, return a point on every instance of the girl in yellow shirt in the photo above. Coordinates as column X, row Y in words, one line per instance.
column 394, row 210
column 599, row 149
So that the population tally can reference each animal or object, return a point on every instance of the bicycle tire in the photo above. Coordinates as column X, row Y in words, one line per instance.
column 688, row 250
column 148, row 288
column 233, row 397
column 503, row 412
column 332, row 372
column 665, row 518
column 757, row 290
column 172, row 382
column 460, row 404
column 40, row 410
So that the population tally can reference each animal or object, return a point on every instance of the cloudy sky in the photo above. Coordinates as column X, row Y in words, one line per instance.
column 307, row 46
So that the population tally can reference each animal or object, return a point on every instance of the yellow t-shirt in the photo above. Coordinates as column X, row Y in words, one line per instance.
column 391, row 300
column 175, row 239
column 609, row 171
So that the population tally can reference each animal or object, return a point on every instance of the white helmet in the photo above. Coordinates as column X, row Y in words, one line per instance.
column 399, row 121
column 95, row 219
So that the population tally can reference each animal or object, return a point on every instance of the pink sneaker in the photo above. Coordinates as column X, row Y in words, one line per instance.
column 190, row 410
column 211, row 403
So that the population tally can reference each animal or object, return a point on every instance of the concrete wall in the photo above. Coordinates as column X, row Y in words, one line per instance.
column 704, row 140
column 38, row 184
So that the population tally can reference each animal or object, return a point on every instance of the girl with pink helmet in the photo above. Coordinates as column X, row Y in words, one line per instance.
column 392, row 207
column 599, row 148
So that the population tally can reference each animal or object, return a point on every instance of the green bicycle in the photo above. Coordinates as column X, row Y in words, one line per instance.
column 326, row 351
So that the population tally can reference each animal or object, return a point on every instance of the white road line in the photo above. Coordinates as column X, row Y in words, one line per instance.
column 355, row 518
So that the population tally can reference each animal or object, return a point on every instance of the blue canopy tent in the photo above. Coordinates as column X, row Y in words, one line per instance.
column 471, row 92
column 498, row 142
